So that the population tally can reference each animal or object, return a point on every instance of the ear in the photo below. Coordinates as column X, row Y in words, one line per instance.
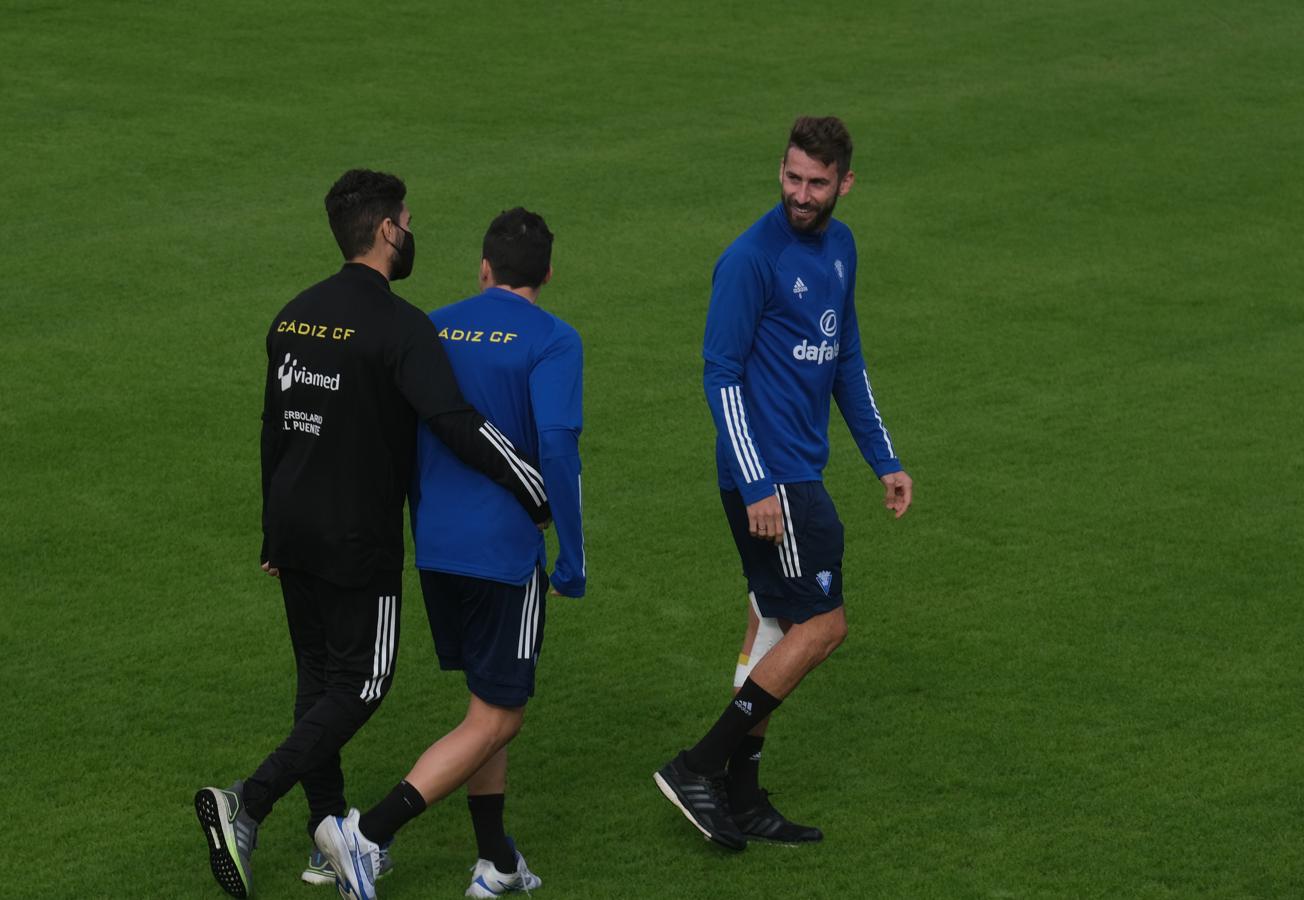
column 547, row 278
column 847, row 181
column 486, row 274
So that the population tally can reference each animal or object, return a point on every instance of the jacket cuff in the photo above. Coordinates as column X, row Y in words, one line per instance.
column 573, row 588
column 757, row 490
column 887, row 467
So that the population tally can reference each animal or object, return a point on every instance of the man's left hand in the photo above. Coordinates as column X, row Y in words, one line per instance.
column 899, row 492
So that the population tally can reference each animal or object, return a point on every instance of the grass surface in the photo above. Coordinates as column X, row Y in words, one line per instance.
column 1073, row 668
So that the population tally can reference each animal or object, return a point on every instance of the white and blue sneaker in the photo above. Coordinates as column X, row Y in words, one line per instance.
column 320, row 871
column 487, row 881
column 355, row 859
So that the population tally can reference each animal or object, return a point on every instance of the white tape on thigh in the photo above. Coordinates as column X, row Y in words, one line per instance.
column 768, row 633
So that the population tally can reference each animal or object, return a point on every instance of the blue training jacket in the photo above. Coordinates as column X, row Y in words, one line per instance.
column 781, row 338
column 522, row 368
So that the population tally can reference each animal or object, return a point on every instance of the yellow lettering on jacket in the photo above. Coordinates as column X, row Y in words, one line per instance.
column 309, row 329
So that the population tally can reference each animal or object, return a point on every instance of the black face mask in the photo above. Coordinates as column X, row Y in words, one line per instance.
column 406, row 254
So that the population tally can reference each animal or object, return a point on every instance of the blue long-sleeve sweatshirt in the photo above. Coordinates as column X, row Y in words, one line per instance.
column 781, row 338
column 522, row 367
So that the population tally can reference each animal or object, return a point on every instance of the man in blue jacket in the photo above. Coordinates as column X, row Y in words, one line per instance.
column 781, row 339
column 482, row 559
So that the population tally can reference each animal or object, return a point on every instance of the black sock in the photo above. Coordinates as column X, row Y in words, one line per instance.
column 257, row 800
column 751, row 705
column 403, row 804
column 490, row 838
column 744, row 773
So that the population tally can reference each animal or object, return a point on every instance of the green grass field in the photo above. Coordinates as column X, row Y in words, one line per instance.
column 1074, row 668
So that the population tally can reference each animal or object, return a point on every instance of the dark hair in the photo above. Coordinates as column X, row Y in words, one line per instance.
column 518, row 248
column 357, row 203
column 824, row 138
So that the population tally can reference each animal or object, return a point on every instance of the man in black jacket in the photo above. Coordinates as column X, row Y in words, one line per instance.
column 351, row 369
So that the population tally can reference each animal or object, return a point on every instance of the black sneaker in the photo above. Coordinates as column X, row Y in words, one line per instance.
column 702, row 799
column 765, row 823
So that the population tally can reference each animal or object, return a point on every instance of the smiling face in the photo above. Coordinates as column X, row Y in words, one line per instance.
column 810, row 190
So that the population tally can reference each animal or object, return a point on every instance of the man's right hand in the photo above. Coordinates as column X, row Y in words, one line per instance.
column 275, row 573
column 765, row 519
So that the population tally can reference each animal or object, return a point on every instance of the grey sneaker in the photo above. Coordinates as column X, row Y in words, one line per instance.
column 355, row 859
column 232, row 835
column 320, row 870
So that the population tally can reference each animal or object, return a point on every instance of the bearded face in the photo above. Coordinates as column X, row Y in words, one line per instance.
column 810, row 190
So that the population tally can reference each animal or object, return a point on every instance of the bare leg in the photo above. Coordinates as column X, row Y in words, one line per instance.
column 803, row 647
column 491, row 778
column 461, row 753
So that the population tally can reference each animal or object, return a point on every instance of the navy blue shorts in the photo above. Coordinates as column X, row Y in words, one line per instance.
column 490, row 630
column 801, row 577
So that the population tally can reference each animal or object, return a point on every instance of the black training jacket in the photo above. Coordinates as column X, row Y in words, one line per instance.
column 351, row 369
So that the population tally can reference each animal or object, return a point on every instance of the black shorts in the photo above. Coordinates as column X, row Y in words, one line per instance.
column 490, row 630
column 801, row 577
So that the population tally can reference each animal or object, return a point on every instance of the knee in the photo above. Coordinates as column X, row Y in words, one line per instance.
column 509, row 724
column 839, row 630
column 833, row 631
column 497, row 724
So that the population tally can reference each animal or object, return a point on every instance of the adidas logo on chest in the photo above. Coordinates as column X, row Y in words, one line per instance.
column 799, row 288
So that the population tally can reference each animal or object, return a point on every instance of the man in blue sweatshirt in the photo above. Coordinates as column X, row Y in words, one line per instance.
column 482, row 560
column 781, row 339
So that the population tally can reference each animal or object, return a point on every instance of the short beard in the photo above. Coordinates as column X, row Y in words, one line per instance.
column 817, row 224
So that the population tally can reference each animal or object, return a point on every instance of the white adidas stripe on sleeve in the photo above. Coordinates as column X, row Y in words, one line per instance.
column 532, row 486
column 877, row 418
column 735, row 417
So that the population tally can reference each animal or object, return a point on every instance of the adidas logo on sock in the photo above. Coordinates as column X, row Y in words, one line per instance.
column 799, row 288
column 744, row 705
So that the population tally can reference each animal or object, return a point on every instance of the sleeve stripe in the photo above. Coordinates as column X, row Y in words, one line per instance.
column 536, row 493
column 529, row 470
column 877, row 418
column 736, row 418
column 747, row 435
column 726, row 405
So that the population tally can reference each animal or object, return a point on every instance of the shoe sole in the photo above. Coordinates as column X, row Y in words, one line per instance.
column 771, row 836
column 673, row 797
column 223, row 857
column 330, row 841
column 318, row 878
column 312, row 877
column 481, row 890
column 801, row 842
